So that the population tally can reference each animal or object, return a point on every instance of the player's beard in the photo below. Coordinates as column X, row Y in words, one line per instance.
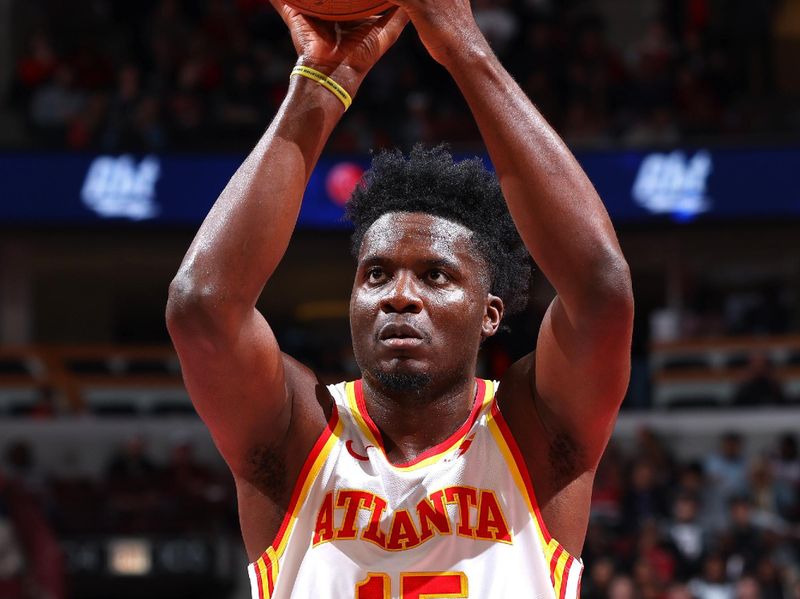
column 402, row 381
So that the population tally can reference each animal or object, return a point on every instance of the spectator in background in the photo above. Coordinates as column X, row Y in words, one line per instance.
column 31, row 563
column 149, row 133
column 541, row 48
column 713, row 583
column 769, row 580
column 497, row 22
column 650, row 447
column 657, row 127
column 655, row 566
column 86, row 127
column 691, row 483
column 622, row 587
column 76, row 496
column 696, row 100
column 743, row 540
column 646, row 580
column 167, row 34
column 787, row 460
column 645, row 499
column 187, row 107
column 679, row 590
column 651, row 62
column 592, row 78
column 688, row 536
column 760, row 386
column 55, row 105
column 133, row 496
column 584, row 125
column 772, row 498
column 12, row 561
column 749, row 35
column 240, row 106
column 131, row 465
column 603, row 542
column 195, row 497
column 726, row 473
column 608, row 487
column 598, row 582
column 134, row 117
column 786, row 469
column 748, row 588
column 21, row 468
column 36, row 66
column 94, row 71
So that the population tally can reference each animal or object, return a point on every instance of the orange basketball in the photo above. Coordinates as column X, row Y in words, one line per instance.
column 340, row 10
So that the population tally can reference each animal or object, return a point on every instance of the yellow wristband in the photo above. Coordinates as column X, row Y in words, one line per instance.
column 326, row 82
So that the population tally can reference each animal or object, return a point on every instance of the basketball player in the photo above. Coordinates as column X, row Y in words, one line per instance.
column 418, row 480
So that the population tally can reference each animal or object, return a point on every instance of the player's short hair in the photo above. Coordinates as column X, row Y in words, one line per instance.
column 430, row 181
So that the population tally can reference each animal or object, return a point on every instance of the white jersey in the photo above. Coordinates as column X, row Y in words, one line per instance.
column 461, row 520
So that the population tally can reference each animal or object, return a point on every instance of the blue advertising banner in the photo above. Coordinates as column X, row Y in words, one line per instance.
column 637, row 187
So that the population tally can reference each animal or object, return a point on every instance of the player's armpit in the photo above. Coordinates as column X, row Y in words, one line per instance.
column 582, row 368
column 554, row 456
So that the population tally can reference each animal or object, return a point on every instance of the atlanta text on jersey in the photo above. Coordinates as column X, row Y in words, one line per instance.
column 406, row 531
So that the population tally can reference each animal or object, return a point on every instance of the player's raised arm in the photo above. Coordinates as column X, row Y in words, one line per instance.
column 581, row 366
column 238, row 379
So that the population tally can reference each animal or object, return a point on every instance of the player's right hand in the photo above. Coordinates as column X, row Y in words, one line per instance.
column 350, row 49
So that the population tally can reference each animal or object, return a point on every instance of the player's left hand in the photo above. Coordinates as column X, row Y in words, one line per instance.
column 447, row 28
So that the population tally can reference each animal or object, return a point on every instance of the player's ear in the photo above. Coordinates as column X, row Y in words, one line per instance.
column 492, row 316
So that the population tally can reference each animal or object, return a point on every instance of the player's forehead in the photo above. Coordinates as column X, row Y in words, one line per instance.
column 416, row 232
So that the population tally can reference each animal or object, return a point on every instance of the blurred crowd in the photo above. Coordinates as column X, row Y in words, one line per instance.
column 724, row 527
column 767, row 307
column 183, row 75
column 41, row 508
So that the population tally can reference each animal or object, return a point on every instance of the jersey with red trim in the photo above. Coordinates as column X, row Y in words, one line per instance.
column 461, row 520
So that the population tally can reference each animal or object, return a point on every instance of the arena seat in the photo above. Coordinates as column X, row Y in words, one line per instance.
column 707, row 372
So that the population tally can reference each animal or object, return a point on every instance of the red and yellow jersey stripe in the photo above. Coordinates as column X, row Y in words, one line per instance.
column 264, row 571
column 564, row 572
column 484, row 394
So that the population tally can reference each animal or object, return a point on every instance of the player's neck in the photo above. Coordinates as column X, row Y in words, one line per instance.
column 412, row 422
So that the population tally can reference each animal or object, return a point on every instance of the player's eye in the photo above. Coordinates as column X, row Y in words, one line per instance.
column 375, row 274
column 437, row 276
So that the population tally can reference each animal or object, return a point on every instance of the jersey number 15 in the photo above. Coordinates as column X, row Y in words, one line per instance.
column 414, row 585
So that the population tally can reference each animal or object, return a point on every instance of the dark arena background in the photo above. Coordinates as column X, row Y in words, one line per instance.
column 120, row 122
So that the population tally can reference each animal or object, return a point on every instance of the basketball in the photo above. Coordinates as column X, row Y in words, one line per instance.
column 340, row 10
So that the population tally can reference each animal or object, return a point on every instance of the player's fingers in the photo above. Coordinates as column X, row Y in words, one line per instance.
column 405, row 4
column 388, row 16
column 392, row 24
column 285, row 11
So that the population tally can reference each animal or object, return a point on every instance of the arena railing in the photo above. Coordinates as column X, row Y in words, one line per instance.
column 106, row 379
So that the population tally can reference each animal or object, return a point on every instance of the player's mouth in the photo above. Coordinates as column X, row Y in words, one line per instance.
column 400, row 336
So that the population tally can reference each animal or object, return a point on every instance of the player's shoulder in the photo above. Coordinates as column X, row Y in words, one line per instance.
column 309, row 396
column 516, row 386
column 295, row 368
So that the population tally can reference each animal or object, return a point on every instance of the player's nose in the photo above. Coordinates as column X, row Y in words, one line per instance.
column 402, row 295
